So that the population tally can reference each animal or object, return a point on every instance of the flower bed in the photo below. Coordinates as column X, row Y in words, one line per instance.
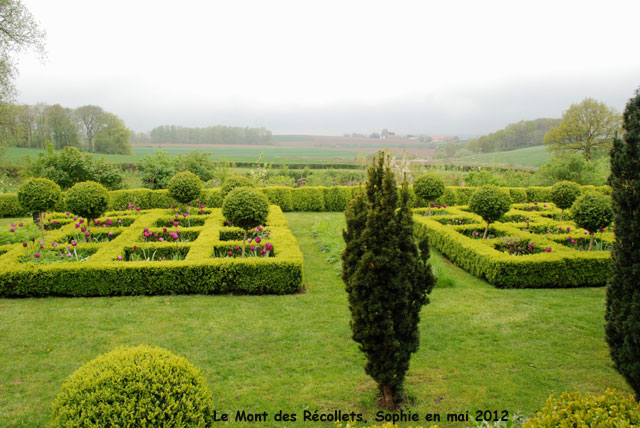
column 521, row 254
column 128, row 263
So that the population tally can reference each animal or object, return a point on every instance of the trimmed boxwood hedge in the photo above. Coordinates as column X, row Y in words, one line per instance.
column 104, row 275
column 561, row 268
column 289, row 199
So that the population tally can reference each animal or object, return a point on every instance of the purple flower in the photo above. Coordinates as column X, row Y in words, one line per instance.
column 54, row 244
column 13, row 225
column 560, row 228
column 120, row 258
column 176, row 215
column 258, row 240
column 259, row 228
column 252, row 248
column 188, row 204
column 138, row 209
column 73, row 243
column 545, row 205
column 75, row 218
column 77, row 225
column 230, row 253
column 81, row 221
column 103, row 225
column 585, row 232
column 268, row 246
column 12, row 230
column 67, row 213
column 36, row 255
column 249, row 240
column 445, row 205
column 535, row 203
column 573, row 241
column 135, row 247
column 262, row 252
column 531, row 244
column 568, row 238
column 88, row 234
column 236, row 248
column 146, row 229
column 161, row 239
column 84, row 229
column 20, row 224
column 568, row 228
column 602, row 230
column 176, row 224
column 548, row 249
column 24, row 244
column 110, row 233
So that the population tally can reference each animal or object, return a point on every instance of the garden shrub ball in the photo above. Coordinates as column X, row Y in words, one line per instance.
column 87, row 199
column 184, row 187
column 429, row 187
column 490, row 203
column 234, row 182
column 38, row 195
column 134, row 386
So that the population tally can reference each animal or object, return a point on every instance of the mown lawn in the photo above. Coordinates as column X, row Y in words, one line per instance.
column 481, row 349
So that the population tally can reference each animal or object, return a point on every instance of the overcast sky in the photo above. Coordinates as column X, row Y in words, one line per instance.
column 330, row 67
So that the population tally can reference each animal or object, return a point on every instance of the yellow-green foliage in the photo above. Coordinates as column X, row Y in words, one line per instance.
column 184, row 187
column 200, row 272
column 302, row 199
column 134, row 387
column 560, row 268
column 308, row 199
column 38, row 195
column 612, row 409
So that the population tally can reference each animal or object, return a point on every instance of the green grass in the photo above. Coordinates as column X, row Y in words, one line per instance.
column 481, row 347
column 529, row 156
column 237, row 154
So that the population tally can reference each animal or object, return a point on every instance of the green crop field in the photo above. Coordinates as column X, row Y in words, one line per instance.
column 482, row 348
column 529, row 156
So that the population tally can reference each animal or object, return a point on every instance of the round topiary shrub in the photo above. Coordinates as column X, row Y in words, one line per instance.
column 87, row 199
column 234, row 182
column 611, row 409
column 38, row 195
column 245, row 208
column 490, row 203
column 564, row 194
column 592, row 211
column 184, row 187
column 134, row 387
column 428, row 187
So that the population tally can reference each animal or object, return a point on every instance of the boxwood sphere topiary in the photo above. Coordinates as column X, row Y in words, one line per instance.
column 428, row 187
column 592, row 211
column 184, row 187
column 234, row 182
column 245, row 208
column 38, row 195
column 490, row 203
column 134, row 387
column 87, row 199
column 564, row 193
column 612, row 409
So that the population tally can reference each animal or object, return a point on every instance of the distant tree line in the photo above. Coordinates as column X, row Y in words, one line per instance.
column 89, row 128
column 525, row 133
column 171, row 134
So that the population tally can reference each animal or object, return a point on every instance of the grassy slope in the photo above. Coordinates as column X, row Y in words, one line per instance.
column 482, row 348
column 529, row 156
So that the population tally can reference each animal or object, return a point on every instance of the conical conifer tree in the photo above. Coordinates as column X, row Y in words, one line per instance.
column 387, row 279
column 623, row 289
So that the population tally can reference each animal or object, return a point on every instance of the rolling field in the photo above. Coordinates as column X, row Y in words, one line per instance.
column 529, row 156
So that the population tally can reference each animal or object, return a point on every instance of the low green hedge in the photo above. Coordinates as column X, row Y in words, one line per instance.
column 561, row 268
column 200, row 272
column 289, row 199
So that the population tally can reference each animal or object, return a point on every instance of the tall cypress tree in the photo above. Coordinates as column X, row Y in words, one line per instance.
column 387, row 279
column 623, row 290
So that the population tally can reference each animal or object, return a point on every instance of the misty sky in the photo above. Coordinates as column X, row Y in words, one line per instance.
column 331, row 67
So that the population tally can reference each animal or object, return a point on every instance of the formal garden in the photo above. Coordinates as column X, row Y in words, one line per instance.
column 245, row 306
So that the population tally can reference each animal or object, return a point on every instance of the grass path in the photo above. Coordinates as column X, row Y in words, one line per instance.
column 481, row 348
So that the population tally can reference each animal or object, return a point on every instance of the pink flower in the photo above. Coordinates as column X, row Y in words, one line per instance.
column 259, row 228
column 73, row 243
column 176, row 224
column 137, row 208
column 230, row 253
column 12, row 230
column 258, row 240
column 161, row 239
column 67, row 213
column 146, row 229
column 236, row 248
column 20, row 224
column 164, row 230
column 252, row 248
column 13, row 225
column 87, row 234
column 135, row 247
column 445, row 205
column 110, row 234
column 75, row 218
column 249, row 240
column 548, row 249
column 24, row 244
column 120, row 258
column 545, row 205
column 54, row 244
column 585, row 232
column 568, row 228
column 77, row 225
column 573, row 241
column 36, row 255
column 84, row 229
column 81, row 221
column 268, row 246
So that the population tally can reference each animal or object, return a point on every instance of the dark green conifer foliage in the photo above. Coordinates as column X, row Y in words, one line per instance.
column 623, row 289
column 387, row 279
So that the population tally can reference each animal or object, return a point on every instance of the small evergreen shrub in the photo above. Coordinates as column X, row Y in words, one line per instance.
column 564, row 194
column 245, row 208
column 38, row 195
column 184, row 187
column 611, row 409
column 490, row 203
column 428, row 187
column 87, row 199
column 592, row 211
column 234, row 182
column 134, row 387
